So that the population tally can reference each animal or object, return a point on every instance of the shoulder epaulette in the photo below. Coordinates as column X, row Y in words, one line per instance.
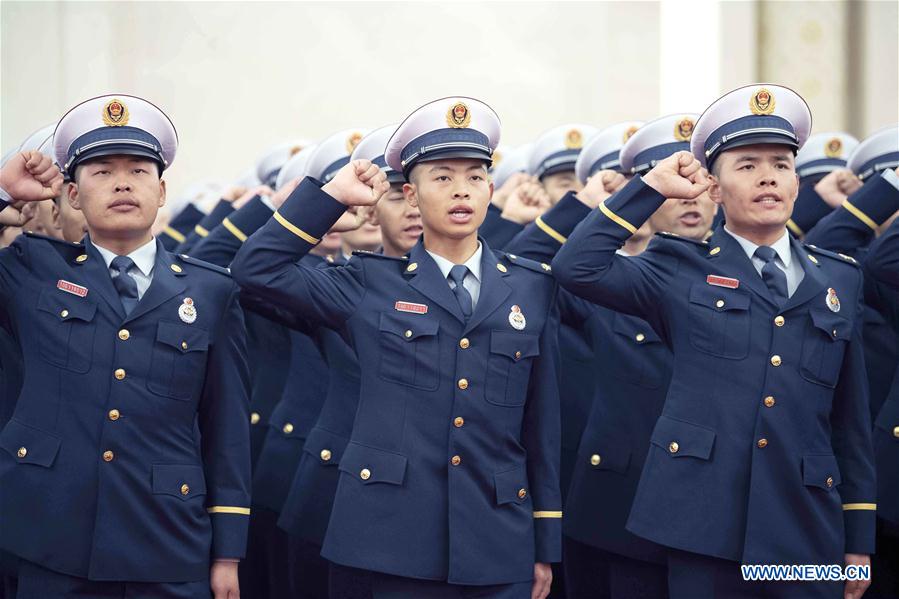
column 676, row 237
column 63, row 242
column 834, row 255
column 203, row 264
column 541, row 267
column 370, row 254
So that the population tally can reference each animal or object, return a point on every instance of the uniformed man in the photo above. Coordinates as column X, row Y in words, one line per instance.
column 449, row 484
column 824, row 180
column 124, row 470
column 507, row 178
column 180, row 225
column 554, row 155
column 762, row 453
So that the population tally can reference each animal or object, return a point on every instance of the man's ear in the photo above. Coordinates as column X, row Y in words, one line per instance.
column 161, row 193
column 715, row 190
column 55, row 214
column 410, row 192
column 490, row 196
column 72, row 196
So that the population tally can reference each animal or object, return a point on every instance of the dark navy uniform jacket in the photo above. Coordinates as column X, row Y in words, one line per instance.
column 763, row 449
column 180, row 227
column 497, row 230
column 612, row 440
column 127, row 456
column 882, row 266
column 451, row 472
column 202, row 229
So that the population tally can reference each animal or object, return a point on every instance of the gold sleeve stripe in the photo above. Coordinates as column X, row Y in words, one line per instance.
column 550, row 231
column 617, row 219
column 201, row 231
column 859, row 506
column 234, row 230
column 227, row 509
column 174, row 234
column 547, row 514
column 859, row 214
column 795, row 228
column 296, row 230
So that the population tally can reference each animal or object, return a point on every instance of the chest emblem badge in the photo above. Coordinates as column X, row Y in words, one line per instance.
column 516, row 318
column 833, row 302
column 187, row 312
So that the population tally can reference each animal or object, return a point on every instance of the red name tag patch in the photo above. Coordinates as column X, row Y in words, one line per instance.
column 71, row 288
column 722, row 281
column 410, row 307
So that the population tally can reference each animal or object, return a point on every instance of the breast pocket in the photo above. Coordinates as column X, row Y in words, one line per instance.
column 823, row 347
column 409, row 350
column 66, row 330
column 637, row 352
column 509, row 367
column 178, row 362
column 719, row 321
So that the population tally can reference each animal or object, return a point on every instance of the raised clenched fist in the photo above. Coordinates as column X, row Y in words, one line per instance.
column 359, row 183
column 678, row 176
column 600, row 187
column 31, row 177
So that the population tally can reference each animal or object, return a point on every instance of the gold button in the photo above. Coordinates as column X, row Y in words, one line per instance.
column 108, row 456
column 714, row 251
column 518, row 355
column 120, row 373
column 175, row 268
column 763, row 443
column 22, row 452
column 640, row 337
column 595, row 459
column 185, row 489
column 829, row 482
column 184, row 345
column 458, row 422
column 64, row 313
column 464, row 343
column 366, row 473
column 325, row 455
column 776, row 361
column 813, row 259
column 288, row 428
column 769, row 402
column 412, row 267
column 522, row 493
column 546, row 267
column 407, row 334
column 82, row 258
column 456, row 460
column 501, row 268
column 124, row 334
column 463, row 384
column 719, row 303
column 254, row 418
column 114, row 415
column 896, row 431
column 779, row 321
column 673, row 447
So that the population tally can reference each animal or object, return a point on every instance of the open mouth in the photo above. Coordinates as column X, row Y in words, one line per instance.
column 767, row 199
column 461, row 213
column 691, row 219
column 414, row 230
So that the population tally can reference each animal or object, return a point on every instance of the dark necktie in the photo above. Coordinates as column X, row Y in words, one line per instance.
column 124, row 283
column 774, row 277
column 457, row 275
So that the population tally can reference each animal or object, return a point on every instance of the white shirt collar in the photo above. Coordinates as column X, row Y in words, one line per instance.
column 781, row 246
column 144, row 257
column 473, row 263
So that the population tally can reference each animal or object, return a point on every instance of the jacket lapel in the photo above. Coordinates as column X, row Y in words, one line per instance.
column 813, row 283
column 730, row 260
column 166, row 284
column 494, row 290
column 425, row 277
column 93, row 269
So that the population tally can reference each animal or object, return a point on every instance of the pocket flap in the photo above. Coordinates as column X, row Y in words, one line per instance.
column 635, row 329
column 819, row 470
column 683, row 439
column 370, row 465
column 182, row 337
column 888, row 417
column 29, row 445
column 408, row 327
column 835, row 327
column 605, row 454
column 179, row 480
column 511, row 486
column 325, row 446
column 719, row 299
column 516, row 346
column 66, row 306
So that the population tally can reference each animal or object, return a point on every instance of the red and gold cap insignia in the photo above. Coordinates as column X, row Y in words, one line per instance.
column 683, row 129
column 115, row 113
column 458, row 116
column 352, row 141
column 833, row 148
column 762, row 102
column 574, row 140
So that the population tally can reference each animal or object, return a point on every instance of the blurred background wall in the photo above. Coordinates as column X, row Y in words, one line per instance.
column 238, row 77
